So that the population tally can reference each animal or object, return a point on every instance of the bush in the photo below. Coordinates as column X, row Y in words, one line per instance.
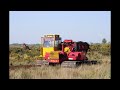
column 103, row 49
column 18, row 54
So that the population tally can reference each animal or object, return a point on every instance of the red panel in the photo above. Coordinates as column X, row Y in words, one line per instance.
column 53, row 61
column 74, row 56
column 68, row 40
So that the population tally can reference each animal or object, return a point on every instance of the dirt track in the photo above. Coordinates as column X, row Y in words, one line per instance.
column 23, row 66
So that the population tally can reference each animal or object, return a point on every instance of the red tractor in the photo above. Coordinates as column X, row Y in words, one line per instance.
column 66, row 53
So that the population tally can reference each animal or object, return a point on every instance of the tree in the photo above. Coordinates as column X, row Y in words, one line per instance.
column 104, row 41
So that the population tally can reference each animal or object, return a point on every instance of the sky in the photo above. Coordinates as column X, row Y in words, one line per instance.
column 89, row 26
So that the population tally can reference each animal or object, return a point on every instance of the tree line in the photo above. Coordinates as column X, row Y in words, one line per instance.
column 103, row 48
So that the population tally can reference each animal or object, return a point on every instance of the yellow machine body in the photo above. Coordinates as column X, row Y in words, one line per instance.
column 49, row 44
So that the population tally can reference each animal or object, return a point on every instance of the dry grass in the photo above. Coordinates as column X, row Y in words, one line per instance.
column 99, row 71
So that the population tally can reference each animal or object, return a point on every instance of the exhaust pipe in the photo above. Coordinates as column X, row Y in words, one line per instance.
column 62, row 47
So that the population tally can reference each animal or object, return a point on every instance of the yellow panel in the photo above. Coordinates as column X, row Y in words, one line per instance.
column 67, row 50
column 41, row 51
column 51, row 35
column 48, row 49
column 54, row 55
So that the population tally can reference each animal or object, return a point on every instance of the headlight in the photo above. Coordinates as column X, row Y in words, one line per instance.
column 70, row 58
